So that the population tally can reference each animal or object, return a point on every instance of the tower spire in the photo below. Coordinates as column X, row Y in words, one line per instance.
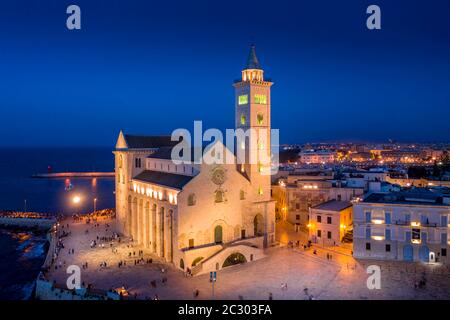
column 252, row 60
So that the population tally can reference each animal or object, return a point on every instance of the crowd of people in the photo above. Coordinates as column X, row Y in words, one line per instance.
column 27, row 215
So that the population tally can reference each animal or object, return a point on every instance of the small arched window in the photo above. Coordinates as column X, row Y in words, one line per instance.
column 260, row 118
column 120, row 161
column 219, row 197
column 191, row 199
column 243, row 119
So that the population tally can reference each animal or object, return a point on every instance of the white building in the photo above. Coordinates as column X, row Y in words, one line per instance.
column 197, row 215
column 409, row 225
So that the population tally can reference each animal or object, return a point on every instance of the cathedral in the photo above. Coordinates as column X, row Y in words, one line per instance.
column 199, row 215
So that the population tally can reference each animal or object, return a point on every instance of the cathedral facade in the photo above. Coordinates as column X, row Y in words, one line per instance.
column 198, row 215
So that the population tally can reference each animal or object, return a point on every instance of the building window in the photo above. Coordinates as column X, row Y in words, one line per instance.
column 260, row 98
column 242, row 195
column 329, row 220
column 219, row 196
column 260, row 191
column 192, row 199
column 329, row 234
column 137, row 162
column 297, row 217
column 368, row 233
column 444, row 221
column 388, row 234
column 260, row 118
column 388, row 248
column 243, row 234
column 339, row 197
column 120, row 161
column 243, row 99
column 243, row 119
column 443, row 252
column 319, row 233
column 443, row 238
column 319, row 219
column 407, row 218
column 368, row 246
column 387, row 218
column 368, row 216
column 415, row 235
column 297, row 206
column 191, row 243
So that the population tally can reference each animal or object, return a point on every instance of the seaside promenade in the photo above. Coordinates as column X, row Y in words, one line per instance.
column 286, row 273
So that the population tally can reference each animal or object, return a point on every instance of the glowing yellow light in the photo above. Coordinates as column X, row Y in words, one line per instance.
column 415, row 224
column 76, row 199
column 160, row 195
column 378, row 238
column 377, row 221
column 415, row 241
column 309, row 225
column 343, row 226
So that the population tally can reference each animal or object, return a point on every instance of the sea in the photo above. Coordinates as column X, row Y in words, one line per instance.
column 22, row 252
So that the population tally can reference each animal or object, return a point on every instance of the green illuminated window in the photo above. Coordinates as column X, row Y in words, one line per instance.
column 260, row 98
column 243, row 99
column 243, row 119
column 260, row 118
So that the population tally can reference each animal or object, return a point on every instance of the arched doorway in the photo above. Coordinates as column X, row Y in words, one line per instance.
column 218, row 234
column 408, row 253
column 258, row 225
column 233, row 259
column 424, row 254
column 182, row 264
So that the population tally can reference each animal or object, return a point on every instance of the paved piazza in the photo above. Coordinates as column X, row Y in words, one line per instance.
column 342, row 277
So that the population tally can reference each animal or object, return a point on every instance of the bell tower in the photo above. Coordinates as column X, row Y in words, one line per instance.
column 252, row 111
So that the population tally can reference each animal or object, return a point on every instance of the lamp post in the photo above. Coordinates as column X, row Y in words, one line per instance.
column 95, row 204
column 76, row 200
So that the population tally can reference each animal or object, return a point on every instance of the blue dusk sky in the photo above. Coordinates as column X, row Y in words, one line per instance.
column 148, row 67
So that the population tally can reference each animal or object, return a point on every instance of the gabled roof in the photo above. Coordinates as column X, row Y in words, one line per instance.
column 148, row 142
column 128, row 141
column 252, row 60
column 166, row 179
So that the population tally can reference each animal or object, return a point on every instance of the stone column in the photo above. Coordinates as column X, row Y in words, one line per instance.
column 134, row 219
column 153, row 228
column 146, row 238
column 167, row 238
column 162, row 232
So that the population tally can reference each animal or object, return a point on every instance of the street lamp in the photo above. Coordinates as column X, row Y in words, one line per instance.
column 95, row 204
column 76, row 199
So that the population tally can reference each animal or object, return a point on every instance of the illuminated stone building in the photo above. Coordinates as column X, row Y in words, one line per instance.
column 295, row 195
column 411, row 225
column 198, row 215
